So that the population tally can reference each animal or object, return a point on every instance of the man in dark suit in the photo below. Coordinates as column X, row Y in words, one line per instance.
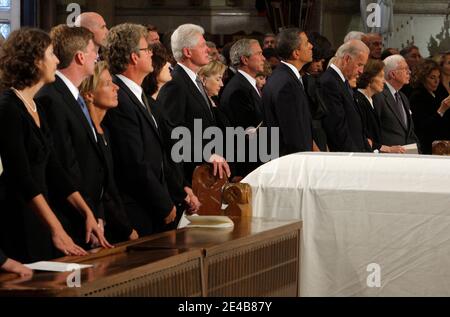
column 397, row 127
column 342, row 123
column 284, row 100
column 136, row 142
column 184, row 100
column 72, row 129
column 240, row 100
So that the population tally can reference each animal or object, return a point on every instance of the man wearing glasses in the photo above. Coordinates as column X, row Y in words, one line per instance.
column 136, row 141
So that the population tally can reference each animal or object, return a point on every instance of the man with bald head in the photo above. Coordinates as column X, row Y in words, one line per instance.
column 95, row 23
column 342, row 123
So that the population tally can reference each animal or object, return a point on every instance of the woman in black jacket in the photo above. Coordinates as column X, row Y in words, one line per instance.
column 429, row 108
column 370, row 83
column 29, row 227
column 100, row 94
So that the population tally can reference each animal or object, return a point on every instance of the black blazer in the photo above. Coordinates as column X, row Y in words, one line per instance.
column 182, row 103
column 118, row 227
column 138, row 162
column 241, row 104
column 393, row 131
column 342, row 123
column 428, row 124
column 30, row 168
column 285, row 105
column 75, row 143
column 370, row 120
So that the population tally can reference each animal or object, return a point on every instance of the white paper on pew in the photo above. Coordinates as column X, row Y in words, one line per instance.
column 57, row 266
column 197, row 221
column 411, row 148
column 183, row 221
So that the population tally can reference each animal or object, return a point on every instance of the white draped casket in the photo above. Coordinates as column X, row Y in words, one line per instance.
column 367, row 218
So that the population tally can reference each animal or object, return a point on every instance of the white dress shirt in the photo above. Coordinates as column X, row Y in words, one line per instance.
column 295, row 70
column 250, row 79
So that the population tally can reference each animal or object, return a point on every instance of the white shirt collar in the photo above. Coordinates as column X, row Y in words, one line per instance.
column 391, row 89
column 292, row 67
column 74, row 90
column 192, row 75
column 367, row 97
column 249, row 78
column 338, row 71
column 135, row 88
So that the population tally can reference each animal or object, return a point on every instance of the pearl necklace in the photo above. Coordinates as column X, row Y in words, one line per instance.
column 21, row 97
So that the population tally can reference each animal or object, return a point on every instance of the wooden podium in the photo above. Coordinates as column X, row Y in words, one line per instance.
column 214, row 192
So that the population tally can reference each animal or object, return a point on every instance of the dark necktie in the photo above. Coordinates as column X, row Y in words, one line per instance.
column 401, row 109
column 149, row 109
column 82, row 104
column 203, row 92
column 349, row 88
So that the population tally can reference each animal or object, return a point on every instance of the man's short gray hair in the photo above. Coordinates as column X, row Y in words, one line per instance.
column 352, row 48
column 391, row 63
column 354, row 35
column 184, row 36
column 242, row 47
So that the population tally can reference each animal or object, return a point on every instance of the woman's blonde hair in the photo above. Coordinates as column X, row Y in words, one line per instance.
column 212, row 68
column 91, row 83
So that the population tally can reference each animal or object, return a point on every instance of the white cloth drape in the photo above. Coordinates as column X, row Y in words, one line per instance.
column 358, row 209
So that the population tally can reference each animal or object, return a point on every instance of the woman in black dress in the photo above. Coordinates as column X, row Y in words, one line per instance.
column 100, row 94
column 429, row 108
column 371, row 82
column 29, row 229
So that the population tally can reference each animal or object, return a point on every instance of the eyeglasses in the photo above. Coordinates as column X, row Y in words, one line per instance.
column 148, row 49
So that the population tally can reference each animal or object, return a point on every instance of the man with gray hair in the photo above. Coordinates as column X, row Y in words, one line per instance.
column 240, row 100
column 136, row 141
column 342, row 123
column 285, row 103
column 184, row 100
column 95, row 23
column 397, row 127
column 354, row 35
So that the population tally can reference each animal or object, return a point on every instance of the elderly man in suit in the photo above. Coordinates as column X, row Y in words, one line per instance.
column 136, row 141
column 285, row 103
column 342, row 124
column 241, row 100
column 397, row 127
column 184, row 101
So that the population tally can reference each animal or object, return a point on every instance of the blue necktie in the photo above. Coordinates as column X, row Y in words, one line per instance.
column 82, row 104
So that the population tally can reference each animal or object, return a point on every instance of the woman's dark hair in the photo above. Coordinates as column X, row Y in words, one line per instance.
column 159, row 59
column 421, row 71
column 19, row 55
column 371, row 70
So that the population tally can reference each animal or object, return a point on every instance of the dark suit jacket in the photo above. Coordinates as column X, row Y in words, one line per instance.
column 393, row 131
column 75, row 146
column 370, row 120
column 118, row 227
column 429, row 125
column 285, row 105
column 3, row 258
column 242, row 106
column 342, row 124
column 138, row 162
column 182, row 103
